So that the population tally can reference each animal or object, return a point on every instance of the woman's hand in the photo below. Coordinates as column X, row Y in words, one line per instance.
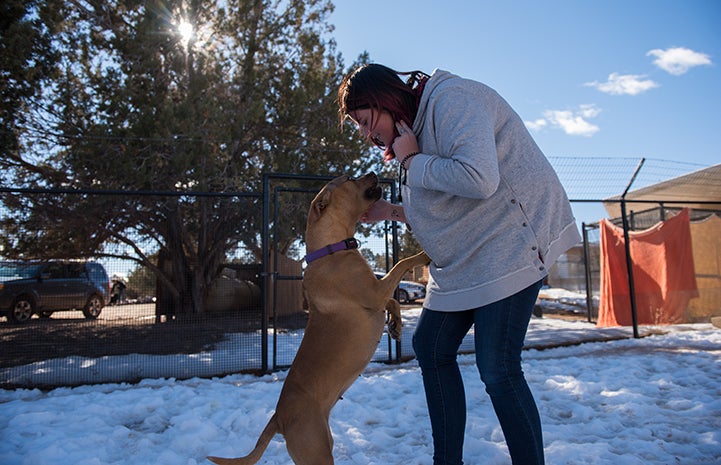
column 405, row 143
column 383, row 210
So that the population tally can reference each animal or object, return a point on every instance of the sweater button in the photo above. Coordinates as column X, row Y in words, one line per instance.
column 513, row 201
column 541, row 268
column 534, row 248
column 525, row 224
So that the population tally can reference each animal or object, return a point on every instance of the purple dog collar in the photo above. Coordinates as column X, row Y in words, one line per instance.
column 347, row 244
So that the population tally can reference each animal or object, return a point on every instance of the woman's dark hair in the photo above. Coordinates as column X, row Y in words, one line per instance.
column 381, row 88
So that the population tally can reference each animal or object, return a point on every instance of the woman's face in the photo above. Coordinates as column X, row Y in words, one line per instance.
column 376, row 126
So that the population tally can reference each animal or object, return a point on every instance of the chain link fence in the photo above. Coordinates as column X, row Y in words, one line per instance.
column 252, row 316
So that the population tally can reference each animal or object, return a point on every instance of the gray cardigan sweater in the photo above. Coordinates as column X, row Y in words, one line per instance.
column 481, row 198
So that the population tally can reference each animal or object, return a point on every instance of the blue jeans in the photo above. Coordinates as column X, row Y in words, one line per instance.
column 500, row 329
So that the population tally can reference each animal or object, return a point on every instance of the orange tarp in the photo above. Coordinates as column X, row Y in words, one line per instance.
column 663, row 273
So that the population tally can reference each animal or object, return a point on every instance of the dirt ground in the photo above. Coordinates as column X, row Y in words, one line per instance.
column 120, row 330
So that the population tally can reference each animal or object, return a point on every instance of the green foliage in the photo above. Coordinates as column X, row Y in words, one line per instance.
column 27, row 62
column 141, row 283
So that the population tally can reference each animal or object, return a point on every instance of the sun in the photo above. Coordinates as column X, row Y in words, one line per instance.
column 186, row 31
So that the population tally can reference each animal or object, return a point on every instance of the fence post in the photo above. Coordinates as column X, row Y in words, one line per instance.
column 587, row 259
column 265, row 273
column 629, row 261
column 629, row 268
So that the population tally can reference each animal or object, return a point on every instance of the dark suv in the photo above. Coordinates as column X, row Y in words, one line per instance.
column 49, row 286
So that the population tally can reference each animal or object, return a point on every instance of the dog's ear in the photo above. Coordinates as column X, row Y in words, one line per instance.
column 319, row 204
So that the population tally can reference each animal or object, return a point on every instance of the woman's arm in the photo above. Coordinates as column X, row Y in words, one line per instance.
column 462, row 157
column 383, row 210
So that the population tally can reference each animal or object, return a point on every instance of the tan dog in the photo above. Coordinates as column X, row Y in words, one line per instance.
column 345, row 324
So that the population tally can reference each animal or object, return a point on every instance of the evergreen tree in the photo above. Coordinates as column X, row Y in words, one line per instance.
column 170, row 97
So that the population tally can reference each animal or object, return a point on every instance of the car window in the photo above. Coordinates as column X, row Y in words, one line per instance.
column 54, row 271
column 77, row 271
column 97, row 272
column 10, row 270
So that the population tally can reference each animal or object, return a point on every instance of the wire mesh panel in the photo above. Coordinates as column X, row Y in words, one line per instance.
column 134, row 306
column 592, row 269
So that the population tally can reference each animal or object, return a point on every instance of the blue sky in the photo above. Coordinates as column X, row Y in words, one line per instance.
column 632, row 78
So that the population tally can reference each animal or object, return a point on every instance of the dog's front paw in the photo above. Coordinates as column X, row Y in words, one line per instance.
column 395, row 328
column 424, row 258
column 419, row 259
column 395, row 323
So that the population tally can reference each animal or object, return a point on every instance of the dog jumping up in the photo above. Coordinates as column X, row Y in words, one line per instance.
column 347, row 305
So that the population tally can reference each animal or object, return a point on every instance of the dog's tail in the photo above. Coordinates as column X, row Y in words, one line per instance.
column 271, row 429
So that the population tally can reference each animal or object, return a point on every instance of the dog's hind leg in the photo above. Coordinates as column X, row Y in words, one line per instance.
column 310, row 442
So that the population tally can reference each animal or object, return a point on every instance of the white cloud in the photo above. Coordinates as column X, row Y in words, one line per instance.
column 678, row 60
column 536, row 125
column 572, row 122
column 624, row 84
column 589, row 110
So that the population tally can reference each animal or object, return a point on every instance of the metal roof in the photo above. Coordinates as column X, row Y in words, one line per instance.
column 697, row 190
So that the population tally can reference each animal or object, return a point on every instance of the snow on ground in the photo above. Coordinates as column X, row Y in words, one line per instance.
column 651, row 401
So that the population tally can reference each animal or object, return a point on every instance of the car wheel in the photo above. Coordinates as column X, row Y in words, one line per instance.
column 45, row 314
column 402, row 296
column 93, row 307
column 22, row 310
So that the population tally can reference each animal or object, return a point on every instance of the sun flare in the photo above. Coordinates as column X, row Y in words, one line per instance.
column 186, row 31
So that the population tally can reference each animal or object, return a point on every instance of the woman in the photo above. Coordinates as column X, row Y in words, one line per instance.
column 488, row 208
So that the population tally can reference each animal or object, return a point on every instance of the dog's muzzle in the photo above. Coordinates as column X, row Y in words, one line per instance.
column 374, row 192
